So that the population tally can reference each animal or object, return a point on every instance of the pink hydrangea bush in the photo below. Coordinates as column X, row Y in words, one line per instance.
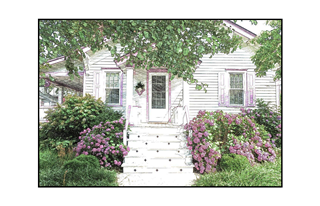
column 105, row 142
column 270, row 119
column 211, row 134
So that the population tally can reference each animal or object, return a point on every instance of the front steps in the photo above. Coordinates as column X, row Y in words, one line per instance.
column 157, row 149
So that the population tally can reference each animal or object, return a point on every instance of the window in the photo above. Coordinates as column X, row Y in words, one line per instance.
column 236, row 90
column 112, row 88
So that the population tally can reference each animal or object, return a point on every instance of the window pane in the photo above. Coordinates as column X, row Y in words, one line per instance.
column 236, row 97
column 112, row 96
column 112, row 80
column 236, row 81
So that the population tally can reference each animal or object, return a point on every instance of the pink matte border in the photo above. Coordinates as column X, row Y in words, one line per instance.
column 169, row 84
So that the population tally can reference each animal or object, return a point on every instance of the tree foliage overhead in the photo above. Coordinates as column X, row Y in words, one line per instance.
column 175, row 44
column 268, row 56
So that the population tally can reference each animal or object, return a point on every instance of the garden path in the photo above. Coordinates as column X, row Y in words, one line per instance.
column 154, row 179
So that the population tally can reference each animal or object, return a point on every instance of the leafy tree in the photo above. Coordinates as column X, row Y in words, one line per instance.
column 268, row 56
column 175, row 44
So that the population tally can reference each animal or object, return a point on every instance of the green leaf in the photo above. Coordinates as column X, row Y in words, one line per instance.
column 185, row 51
column 146, row 34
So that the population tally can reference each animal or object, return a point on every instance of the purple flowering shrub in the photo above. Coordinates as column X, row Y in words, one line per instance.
column 268, row 117
column 105, row 142
column 211, row 134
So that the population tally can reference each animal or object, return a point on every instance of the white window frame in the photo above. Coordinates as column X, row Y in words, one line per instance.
column 104, row 87
column 244, row 76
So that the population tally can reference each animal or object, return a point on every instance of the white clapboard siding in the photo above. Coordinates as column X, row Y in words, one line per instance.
column 208, row 72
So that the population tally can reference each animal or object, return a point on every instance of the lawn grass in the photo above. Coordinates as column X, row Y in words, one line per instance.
column 265, row 174
column 51, row 173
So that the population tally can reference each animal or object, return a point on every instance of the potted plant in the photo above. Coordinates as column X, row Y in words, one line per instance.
column 140, row 88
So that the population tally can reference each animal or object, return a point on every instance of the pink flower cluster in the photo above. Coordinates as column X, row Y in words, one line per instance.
column 205, row 157
column 263, row 153
column 104, row 141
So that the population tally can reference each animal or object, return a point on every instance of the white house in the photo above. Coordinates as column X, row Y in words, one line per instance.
column 163, row 105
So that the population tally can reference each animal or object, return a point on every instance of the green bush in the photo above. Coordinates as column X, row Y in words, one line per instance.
column 108, row 114
column 90, row 177
column 67, row 120
column 265, row 174
column 82, row 162
column 233, row 162
column 269, row 117
column 48, row 159
column 82, row 171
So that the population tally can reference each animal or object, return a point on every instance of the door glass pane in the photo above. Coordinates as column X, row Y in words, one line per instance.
column 158, row 95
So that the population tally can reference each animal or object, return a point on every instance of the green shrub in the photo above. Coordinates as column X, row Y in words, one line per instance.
column 48, row 159
column 233, row 162
column 269, row 117
column 265, row 174
column 108, row 114
column 67, row 120
column 82, row 171
column 90, row 177
column 82, row 162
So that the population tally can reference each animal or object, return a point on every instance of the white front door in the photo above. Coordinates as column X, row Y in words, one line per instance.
column 158, row 97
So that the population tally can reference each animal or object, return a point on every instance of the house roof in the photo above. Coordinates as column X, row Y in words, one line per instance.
column 240, row 30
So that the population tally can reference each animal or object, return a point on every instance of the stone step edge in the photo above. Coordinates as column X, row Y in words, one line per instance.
column 175, row 157
column 144, row 165
column 156, row 140
column 155, row 148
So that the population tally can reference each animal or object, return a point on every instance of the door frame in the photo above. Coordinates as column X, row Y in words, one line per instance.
column 169, row 90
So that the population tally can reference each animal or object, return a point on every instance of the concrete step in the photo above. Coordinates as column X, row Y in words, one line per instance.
column 163, row 160
column 158, row 152
column 142, row 136
column 135, row 168
column 147, row 144
column 154, row 130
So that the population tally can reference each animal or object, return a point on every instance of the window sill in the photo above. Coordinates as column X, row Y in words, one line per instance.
column 114, row 105
column 239, row 106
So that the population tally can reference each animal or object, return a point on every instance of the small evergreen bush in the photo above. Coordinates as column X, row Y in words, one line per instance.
column 48, row 159
column 233, row 162
column 82, row 171
column 81, row 162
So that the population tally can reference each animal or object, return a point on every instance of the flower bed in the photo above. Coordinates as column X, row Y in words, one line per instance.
column 105, row 142
column 212, row 134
